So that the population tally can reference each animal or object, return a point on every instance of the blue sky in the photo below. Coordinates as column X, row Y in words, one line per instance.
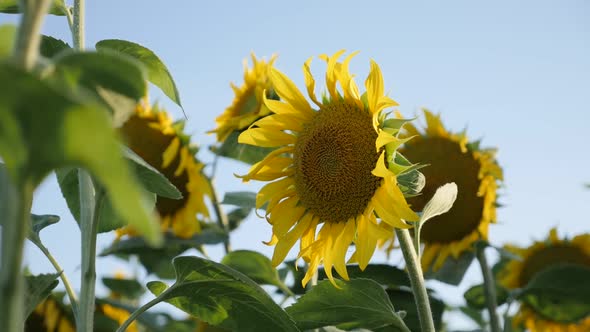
column 515, row 73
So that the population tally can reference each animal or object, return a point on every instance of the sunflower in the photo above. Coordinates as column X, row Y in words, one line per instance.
column 247, row 106
column 151, row 134
column 49, row 316
column 117, row 315
column 451, row 158
column 536, row 258
column 333, row 167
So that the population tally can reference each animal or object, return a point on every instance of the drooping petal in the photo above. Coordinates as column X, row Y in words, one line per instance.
column 374, row 86
column 266, row 137
column 273, row 189
column 287, row 90
column 310, row 81
column 288, row 241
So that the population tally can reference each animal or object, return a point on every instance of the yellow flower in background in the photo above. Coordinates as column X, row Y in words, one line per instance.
column 247, row 106
column 450, row 158
column 151, row 134
column 117, row 314
column 49, row 316
column 329, row 169
column 536, row 258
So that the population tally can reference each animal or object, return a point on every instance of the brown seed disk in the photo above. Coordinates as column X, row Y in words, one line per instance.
column 334, row 156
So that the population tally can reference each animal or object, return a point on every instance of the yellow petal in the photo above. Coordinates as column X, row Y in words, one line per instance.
column 280, row 107
column 280, row 122
column 374, row 86
column 271, row 190
column 266, row 137
column 259, row 165
column 286, row 242
column 380, row 169
column 285, row 215
column 381, row 202
column 310, row 82
column 365, row 243
column 331, row 75
column 332, row 232
column 341, row 247
column 287, row 90
column 170, row 152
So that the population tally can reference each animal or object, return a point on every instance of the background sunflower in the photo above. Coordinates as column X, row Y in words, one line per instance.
column 451, row 158
column 536, row 258
column 151, row 134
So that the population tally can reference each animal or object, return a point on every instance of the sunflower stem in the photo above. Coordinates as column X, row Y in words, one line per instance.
column 28, row 39
column 221, row 216
column 90, row 203
column 64, row 279
column 489, row 288
column 17, row 213
column 416, row 280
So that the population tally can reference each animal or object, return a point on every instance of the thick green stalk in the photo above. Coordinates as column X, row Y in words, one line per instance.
column 28, row 39
column 14, row 232
column 416, row 279
column 489, row 288
column 64, row 279
column 89, row 216
column 78, row 26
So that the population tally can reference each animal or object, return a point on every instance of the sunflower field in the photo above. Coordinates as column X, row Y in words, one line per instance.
column 375, row 217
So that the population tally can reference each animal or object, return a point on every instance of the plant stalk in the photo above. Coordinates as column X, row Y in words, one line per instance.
column 489, row 288
column 416, row 280
column 28, row 39
column 89, row 216
column 79, row 24
column 141, row 310
column 64, row 279
column 14, row 233
column 221, row 216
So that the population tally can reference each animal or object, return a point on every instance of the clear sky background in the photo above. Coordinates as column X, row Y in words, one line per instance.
column 515, row 73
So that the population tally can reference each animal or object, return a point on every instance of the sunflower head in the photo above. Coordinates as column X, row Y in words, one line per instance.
column 50, row 315
column 451, row 158
column 151, row 134
column 334, row 167
column 536, row 258
column 247, row 106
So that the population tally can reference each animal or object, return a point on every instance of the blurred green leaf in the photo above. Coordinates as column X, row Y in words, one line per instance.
column 254, row 265
column 158, row 260
column 51, row 47
column 474, row 314
column 108, row 218
column 108, row 70
column 38, row 288
column 12, row 7
column 559, row 293
column 151, row 178
column 157, row 72
column 356, row 303
column 453, row 270
column 248, row 154
column 38, row 222
column 244, row 199
column 42, row 130
column 475, row 296
column 236, row 216
column 221, row 296
column 128, row 288
column 7, row 38
column 403, row 299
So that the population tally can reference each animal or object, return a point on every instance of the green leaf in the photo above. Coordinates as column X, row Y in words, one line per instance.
column 356, row 303
column 221, row 296
column 108, row 218
column 106, row 70
column 254, row 265
column 383, row 274
column 7, row 38
column 248, row 154
column 158, row 260
column 411, row 182
column 440, row 203
column 157, row 72
column 12, row 7
column 38, row 289
column 403, row 299
column 244, row 199
column 236, row 216
column 129, row 288
column 38, row 223
column 453, row 270
column 151, row 178
column 559, row 293
column 475, row 296
column 42, row 130
column 51, row 47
